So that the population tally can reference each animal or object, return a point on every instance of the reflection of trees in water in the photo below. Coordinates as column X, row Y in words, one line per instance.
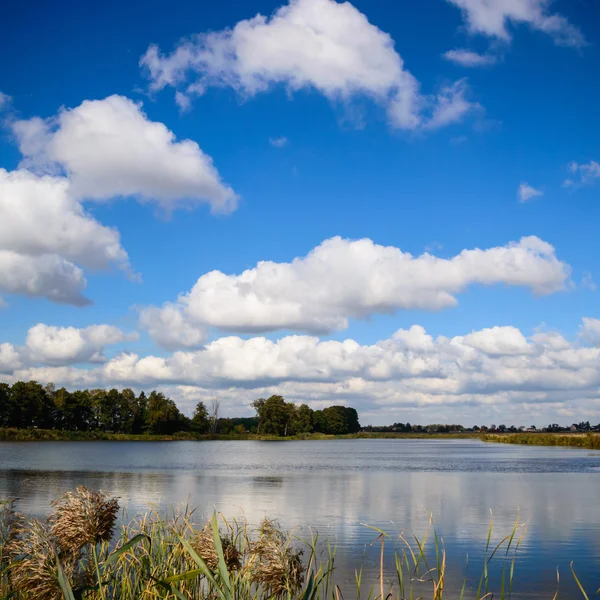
column 268, row 481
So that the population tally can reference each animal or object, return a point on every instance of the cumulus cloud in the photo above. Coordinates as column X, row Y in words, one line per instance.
column 48, row 276
column 109, row 148
column 480, row 372
column 169, row 327
column 493, row 17
column 321, row 44
column 10, row 359
column 498, row 341
column 39, row 216
column 526, row 192
column 582, row 174
column 67, row 345
column 45, row 233
column 468, row 58
column 342, row 279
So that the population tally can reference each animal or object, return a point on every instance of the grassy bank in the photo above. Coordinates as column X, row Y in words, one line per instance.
column 573, row 440
column 79, row 553
column 33, row 435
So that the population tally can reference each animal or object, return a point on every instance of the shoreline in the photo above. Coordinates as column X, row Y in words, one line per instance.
column 41, row 435
column 590, row 441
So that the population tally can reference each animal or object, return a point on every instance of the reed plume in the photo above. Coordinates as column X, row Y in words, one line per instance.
column 204, row 545
column 10, row 521
column 83, row 517
column 34, row 567
column 273, row 563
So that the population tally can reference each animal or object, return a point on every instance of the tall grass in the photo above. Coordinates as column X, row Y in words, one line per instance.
column 574, row 440
column 76, row 554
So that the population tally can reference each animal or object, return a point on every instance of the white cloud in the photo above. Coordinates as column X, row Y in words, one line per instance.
column 38, row 216
column 583, row 174
column 321, row 44
column 467, row 58
column 590, row 331
column 492, row 18
column 526, row 192
column 494, row 371
column 279, row 142
column 498, row 341
column 451, row 105
column 48, row 276
column 183, row 101
column 109, row 148
column 45, row 233
column 10, row 359
column 169, row 328
column 66, row 345
column 343, row 279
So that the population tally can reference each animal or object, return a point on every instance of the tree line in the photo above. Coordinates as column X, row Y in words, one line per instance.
column 27, row 404
column 278, row 417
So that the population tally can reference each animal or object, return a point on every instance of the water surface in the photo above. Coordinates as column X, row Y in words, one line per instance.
column 336, row 486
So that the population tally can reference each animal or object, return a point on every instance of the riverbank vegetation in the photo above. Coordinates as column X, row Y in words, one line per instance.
column 573, row 440
column 48, row 435
column 79, row 552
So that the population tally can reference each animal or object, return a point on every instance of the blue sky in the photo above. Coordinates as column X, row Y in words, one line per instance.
column 343, row 164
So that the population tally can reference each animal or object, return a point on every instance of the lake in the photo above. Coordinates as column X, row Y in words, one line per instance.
column 337, row 486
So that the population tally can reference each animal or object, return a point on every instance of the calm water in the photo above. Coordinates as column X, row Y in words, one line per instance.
column 335, row 486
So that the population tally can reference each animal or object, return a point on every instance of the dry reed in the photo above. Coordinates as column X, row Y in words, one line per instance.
column 83, row 517
column 274, row 563
column 33, row 569
column 204, row 544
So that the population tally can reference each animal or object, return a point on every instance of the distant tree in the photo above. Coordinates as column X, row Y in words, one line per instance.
column 200, row 421
column 163, row 415
column 5, row 411
column 303, row 419
column 319, row 422
column 140, row 417
column 258, row 407
column 29, row 406
column 274, row 416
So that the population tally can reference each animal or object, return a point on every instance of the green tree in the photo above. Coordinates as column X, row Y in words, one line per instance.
column 201, row 420
column 81, row 410
column 163, row 416
column 336, row 420
column 4, row 404
column 140, row 414
column 303, row 419
column 319, row 422
column 259, row 405
column 29, row 406
column 274, row 415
